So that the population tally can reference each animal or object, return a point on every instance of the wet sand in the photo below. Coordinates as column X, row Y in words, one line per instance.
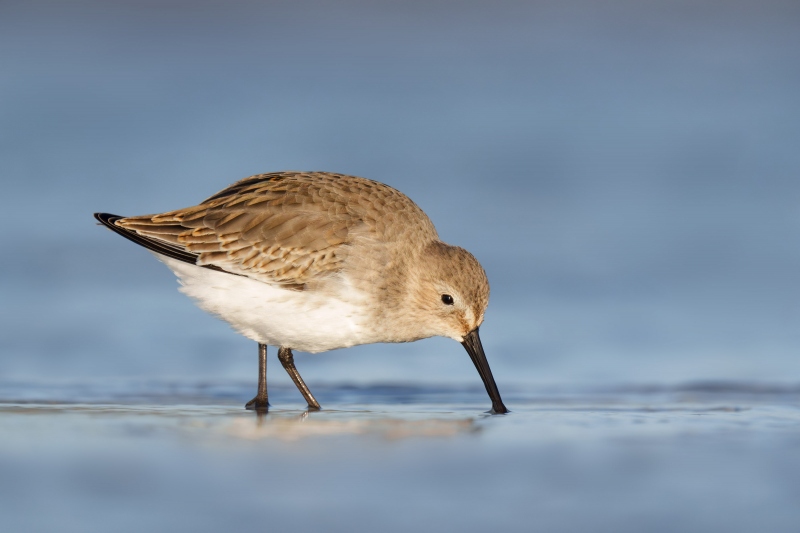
column 180, row 457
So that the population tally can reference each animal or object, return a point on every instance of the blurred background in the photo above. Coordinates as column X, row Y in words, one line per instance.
column 627, row 172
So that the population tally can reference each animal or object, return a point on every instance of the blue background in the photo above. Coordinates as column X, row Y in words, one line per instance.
column 627, row 172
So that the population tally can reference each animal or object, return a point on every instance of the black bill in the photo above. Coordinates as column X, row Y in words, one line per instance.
column 472, row 342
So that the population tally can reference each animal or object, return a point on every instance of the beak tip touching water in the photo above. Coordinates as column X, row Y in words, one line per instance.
column 472, row 343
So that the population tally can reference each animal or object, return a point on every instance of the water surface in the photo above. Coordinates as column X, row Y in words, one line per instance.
column 181, row 457
column 626, row 171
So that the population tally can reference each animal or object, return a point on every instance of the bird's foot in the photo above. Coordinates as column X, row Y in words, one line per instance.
column 257, row 404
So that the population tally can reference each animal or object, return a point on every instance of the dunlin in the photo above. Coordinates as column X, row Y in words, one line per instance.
column 315, row 261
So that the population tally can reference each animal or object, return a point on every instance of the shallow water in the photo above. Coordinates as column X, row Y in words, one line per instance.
column 180, row 457
column 627, row 173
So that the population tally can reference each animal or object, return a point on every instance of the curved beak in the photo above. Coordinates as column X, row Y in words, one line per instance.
column 472, row 343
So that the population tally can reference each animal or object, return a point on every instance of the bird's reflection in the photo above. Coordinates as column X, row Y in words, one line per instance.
column 279, row 425
column 283, row 425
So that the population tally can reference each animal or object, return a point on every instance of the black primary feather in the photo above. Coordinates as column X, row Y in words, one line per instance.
column 159, row 247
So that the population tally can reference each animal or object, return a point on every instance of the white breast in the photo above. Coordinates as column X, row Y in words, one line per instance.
column 304, row 320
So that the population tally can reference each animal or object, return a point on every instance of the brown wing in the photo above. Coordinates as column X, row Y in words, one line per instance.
column 287, row 228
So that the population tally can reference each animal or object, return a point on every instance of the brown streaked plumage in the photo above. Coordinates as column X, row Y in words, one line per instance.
column 316, row 261
column 288, row 228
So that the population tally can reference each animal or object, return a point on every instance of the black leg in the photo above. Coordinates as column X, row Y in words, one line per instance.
column 261, row 403
column 286, row 358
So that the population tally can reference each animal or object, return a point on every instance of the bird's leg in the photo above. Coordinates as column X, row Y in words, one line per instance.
column 260, row 403
column 286, row 358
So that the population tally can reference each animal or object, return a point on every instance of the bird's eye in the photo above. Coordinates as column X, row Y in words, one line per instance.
column 447, row 299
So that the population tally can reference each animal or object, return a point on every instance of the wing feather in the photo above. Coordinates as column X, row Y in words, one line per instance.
column 286, row 228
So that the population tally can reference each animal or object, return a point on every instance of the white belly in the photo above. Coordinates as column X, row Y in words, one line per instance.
column 304, row 320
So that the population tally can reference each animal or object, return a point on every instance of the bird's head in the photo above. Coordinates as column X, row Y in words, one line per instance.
column 452, row 293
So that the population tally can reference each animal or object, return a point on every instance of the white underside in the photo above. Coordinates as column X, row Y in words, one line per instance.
column 304, row 320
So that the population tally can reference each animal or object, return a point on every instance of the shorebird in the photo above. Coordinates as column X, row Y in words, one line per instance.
column 315, row 261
